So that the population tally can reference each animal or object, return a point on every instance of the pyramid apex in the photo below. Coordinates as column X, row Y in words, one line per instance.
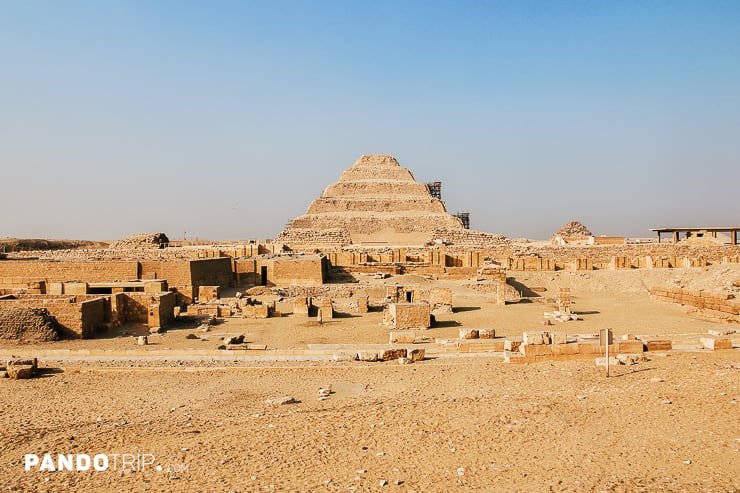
column 376, row 160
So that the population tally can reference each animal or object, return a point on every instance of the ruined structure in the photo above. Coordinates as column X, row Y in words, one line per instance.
column 377, row 202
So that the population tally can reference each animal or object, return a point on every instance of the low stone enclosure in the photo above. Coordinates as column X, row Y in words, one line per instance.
column 723, row 304
column 81, row 315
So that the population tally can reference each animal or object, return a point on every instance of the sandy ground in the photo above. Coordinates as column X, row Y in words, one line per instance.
column 453, row 423
column 459, row 424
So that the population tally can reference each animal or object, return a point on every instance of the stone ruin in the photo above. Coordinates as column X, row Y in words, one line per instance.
column 28, row 324
column 145, row 240
column 376, row 201
column 573, row 229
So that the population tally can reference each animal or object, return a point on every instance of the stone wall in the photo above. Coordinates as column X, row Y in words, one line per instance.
column 77, row 318
column 308, row 271
column 719, row 302
column 60, row 271
column 27, row 324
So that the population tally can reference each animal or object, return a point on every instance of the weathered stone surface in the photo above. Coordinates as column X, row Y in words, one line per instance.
column 629, row 346
column 416, row 354
column 512, row 343
column 469, row 333
column 564, row 349
column 409, row 315
column 24, row 361
column 402, row 337
column 531, row 350
column 392, row 353
column 716, row 342
column 239, row 339
column 28, row 324
column 367, row 355
column 344, row 356
column 281, row 401
column 558, row 338
column 487, row 333
column 658, row 344
column 535, row 337
column 142, row 340
column 144, row 240
column 19, row 372
column 721, row 332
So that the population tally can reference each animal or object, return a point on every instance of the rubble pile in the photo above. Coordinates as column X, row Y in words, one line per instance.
column 573, row 229
column 145, row 240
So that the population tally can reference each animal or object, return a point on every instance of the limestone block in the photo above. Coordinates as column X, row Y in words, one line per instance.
column 344, row 356
column 234, row 339
column 142, row 340
column 409, row 315
column 24, row 361
column 589, row 347
column 512, row 343
column 657, row 344
column 19, row 372
column 714, row 343
column 469, row 333
column 629, row 346
column 367, row 355
column 402, row 337
column 564, row 349
column 558, row 338
column 721, row 332
column 530, row 350
column 535, row 337
column 392, row 353
column 416, row 354
column 487, row 333
column 281, row 401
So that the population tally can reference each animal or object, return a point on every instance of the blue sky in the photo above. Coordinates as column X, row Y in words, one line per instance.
column 225, row 119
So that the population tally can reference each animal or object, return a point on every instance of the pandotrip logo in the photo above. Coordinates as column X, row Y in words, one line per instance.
column 140, row 462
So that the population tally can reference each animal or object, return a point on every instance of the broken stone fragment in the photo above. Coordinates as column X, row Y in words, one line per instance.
column 469, row 333
column 487, row 333
column 281, row 401
column 24, row 361
column 512, row 344
column 390, row 354
column 367, row 355
column 234, row 339
column 416, row 354
column 344, row 356
column 19, row 372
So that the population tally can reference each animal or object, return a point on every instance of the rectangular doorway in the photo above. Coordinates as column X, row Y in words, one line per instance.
column 263, row 275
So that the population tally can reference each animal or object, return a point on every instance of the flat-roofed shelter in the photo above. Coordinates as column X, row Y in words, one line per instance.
column 699, row 232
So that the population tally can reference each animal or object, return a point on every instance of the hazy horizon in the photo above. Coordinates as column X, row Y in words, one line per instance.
column 224, row 120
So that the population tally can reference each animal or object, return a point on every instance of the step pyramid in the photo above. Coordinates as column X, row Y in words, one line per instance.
column 375, row 202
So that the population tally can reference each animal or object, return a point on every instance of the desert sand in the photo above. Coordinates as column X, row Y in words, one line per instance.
column 453, row 422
